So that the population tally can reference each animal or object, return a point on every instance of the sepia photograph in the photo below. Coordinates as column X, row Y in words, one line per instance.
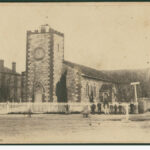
column 75, row 73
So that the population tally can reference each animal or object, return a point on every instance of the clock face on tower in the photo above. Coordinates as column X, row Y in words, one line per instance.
column 39, row 53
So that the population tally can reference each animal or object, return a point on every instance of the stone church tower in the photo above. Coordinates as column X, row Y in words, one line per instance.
column 44, row 63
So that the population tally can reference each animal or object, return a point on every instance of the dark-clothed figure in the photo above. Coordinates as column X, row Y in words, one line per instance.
column 67, row 109
column 111, row 109
column 91, row 97
column 131, row 108
column 99, row 107
column 93, row 107
column 120, row 109
column 115, row 109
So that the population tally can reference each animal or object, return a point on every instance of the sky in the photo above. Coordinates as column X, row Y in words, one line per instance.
column 104, row 36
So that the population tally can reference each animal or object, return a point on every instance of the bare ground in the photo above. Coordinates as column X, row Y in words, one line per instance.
column 73, row 128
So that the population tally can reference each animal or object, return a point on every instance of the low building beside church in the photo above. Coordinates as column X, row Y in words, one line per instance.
column 23, row 87
column 10, row 83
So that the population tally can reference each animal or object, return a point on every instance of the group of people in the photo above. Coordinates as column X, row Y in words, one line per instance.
column 107, row 108
column 99, row 108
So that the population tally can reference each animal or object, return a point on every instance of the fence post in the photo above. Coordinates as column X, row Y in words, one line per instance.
column 127, row 112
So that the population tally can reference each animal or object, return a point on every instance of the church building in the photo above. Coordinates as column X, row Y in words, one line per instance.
column 50, row 78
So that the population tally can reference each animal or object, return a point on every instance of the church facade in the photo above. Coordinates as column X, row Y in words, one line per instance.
column 50, row 78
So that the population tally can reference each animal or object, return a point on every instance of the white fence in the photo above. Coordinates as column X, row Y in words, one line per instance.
column 41, row 107
column 52, row 107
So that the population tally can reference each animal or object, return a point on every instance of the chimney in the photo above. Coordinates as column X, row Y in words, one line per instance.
column 13, row 66
column 1, row 65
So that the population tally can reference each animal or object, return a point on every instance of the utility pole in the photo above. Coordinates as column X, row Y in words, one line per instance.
column 134, row 84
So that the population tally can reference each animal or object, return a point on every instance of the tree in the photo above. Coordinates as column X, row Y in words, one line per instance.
column 61, row 89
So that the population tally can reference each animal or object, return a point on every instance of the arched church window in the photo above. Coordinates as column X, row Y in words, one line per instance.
column 87, row 89
column 91, row 89
column 100, row 96
column 38, row 92
column 38, row 87
column 8, row 81
column 58, row 47
column 94, row 90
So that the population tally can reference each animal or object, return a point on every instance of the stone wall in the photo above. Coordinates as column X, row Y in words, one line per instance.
column 77, row 86
column 73, row 85
column 39, row 70
column 88, row 85
column 46, row 71
column 58, row 54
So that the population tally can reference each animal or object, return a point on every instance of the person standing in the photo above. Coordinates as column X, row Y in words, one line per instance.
column 99, row 107
column 106, row 104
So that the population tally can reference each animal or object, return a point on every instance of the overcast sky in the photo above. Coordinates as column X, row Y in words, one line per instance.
column 102, row 36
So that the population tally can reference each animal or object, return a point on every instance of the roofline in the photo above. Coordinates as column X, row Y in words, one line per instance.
column 104, row 79
column 11, row 73
column 96, row 78
column 51, row 30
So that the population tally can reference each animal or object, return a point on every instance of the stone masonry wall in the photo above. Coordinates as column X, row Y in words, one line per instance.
column 10, row 86
column 73, row 85
column 58, row 56
column 91, row 83
column 48, row 70
column 38, row 71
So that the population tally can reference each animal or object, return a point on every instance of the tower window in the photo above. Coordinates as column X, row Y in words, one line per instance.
column 91, row 89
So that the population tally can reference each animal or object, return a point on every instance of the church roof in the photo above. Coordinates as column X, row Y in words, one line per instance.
column 106, row 87
column 90, row 72
column 128, row 76
column 115, row 76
